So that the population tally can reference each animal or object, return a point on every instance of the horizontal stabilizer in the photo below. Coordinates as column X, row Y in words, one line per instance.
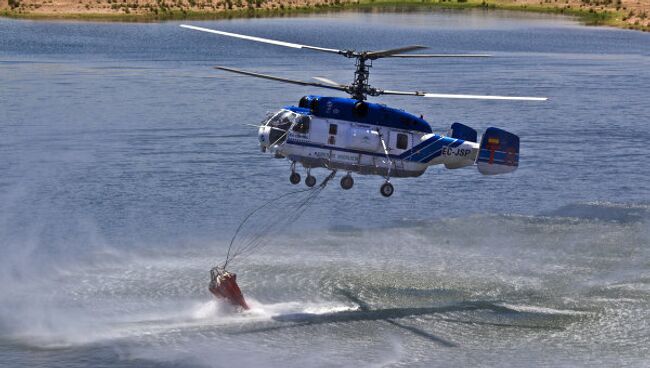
column 499, row 152
column 461, row 131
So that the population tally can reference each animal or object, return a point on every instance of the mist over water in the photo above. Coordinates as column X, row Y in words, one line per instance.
column 125, row 169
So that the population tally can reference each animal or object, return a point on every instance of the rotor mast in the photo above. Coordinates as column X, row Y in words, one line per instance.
column 360, row 86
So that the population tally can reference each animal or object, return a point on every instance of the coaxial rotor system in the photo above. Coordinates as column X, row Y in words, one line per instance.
column 360, row 88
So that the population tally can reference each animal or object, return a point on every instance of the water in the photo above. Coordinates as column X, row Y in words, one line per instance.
column 126, row 168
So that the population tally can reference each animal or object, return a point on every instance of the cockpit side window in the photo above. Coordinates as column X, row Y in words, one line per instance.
column 302, row 124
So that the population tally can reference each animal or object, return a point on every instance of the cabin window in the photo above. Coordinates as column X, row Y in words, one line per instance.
column 333, row 129
column 402, row 141
column 302, row 125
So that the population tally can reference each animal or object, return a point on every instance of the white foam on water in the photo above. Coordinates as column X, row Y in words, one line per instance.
column 261, row 311
column 209, row 314
column 542, row 310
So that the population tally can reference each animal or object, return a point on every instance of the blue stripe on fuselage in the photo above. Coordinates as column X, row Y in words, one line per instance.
column 438, row 150
column 348, row 150
column 416, row 151
column 431, row 148
column 457, row 143
column 423, row 152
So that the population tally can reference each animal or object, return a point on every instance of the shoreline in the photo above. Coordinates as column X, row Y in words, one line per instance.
column 588, row 12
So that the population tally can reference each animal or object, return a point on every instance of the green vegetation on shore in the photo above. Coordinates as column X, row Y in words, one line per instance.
column 587, row 14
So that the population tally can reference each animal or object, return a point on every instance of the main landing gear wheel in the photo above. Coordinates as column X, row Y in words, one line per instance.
column 310, row 181
column 294, row 178
column 347, row 182
column 387, row 189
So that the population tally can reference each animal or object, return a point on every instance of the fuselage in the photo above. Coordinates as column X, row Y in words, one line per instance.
column 361, row 137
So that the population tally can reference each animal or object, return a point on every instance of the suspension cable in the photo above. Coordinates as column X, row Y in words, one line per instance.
column 297, row 210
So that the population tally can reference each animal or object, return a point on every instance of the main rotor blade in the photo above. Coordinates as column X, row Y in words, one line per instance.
column 266, row 40
column 465, row 97
column 440, row 55
column 280, row 79
column 372, row 55
column 329, row 81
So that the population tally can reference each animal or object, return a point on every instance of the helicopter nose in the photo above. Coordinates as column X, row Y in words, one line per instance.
column 263, row 135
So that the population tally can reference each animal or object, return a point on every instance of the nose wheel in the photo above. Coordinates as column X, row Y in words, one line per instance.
column 294, row 178
column 347, row 182
column 387, row 189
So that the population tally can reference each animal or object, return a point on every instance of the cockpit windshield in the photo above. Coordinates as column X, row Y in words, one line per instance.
column 282, row 119
column 286, row 120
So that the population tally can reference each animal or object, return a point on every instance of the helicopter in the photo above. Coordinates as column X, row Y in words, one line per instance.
column 357, row 136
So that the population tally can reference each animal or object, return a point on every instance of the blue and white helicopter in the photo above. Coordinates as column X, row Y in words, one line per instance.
column 353, row 135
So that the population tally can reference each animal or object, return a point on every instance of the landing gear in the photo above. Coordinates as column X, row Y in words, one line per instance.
column 310, row 181
column 294, row 178
column 387, row 189
column 347, row 182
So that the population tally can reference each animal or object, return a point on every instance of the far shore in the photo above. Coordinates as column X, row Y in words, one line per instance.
column 627, row 14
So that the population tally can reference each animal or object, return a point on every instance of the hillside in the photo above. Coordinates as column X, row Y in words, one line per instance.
column 632, row 14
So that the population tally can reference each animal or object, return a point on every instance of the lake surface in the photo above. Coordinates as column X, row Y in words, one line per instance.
column 126, row 166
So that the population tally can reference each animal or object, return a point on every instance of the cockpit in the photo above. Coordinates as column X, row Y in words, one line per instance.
column 275, row 127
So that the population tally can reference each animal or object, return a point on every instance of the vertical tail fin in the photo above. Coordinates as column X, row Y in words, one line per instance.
column 498, row 153
column 462, row 131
